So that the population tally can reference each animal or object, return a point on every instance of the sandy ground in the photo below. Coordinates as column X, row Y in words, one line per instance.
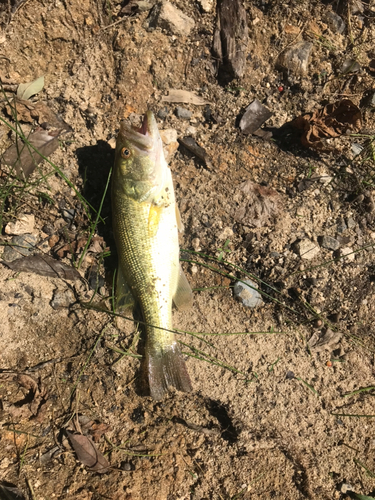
column 272, row 417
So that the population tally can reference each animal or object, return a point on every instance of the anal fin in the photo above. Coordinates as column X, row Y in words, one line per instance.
column 183, row 297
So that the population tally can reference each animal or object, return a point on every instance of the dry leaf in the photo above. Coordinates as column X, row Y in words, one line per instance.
column 10, row 492
column 45, row 266
column 27, row 90
column 87, row 453
column 73, row 247
column 331, row 121
column 23, row 158
column 33, row 404
column 184, row 96
column 260, row 204
column 327, row 341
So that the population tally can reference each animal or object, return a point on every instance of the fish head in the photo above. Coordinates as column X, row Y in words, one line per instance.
column 140, row 166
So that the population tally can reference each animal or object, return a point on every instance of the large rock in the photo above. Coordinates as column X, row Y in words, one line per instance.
column 166, row 16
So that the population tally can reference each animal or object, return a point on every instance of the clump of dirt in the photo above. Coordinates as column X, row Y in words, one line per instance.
column 278, row 389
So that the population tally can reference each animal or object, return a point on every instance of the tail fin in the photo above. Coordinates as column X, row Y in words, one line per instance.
column 166, row 369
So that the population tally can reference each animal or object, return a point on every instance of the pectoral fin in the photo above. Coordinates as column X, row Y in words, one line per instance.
column 124, row 297
column 183, row 297
column 154, row 219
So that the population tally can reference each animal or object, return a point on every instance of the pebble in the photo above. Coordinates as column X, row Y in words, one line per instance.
column 296, row 58
column 335, row 22
column 341, row 226
column 68, row 214
column 24, row 224
column 347, row 252
column 351, row 223
column 163, row 113
column 23, row 246
column 307, row 249
column 183, row 113
column 62, row 299
column 206, row 5
column 166, row 16
column 244, row 292
column 330, row 243
column 169, row 138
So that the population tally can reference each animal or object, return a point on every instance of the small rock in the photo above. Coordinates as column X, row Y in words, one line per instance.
column 245, row 293
column 330, row 243
column 169, row 138
column 62, row 299
column 196, row 244
column 183, row 113
column 163, row 113
column 307, row 249
column 290, row 375
column 206, row 5
column 341, row 226
column 347, row 252
column 345, row 487
column 68, row 214
column 296, row 58
column 166, row 16
column 191, row 131
column 351, row 223
column 19, row 246
column 335, row 22
column 24, row 224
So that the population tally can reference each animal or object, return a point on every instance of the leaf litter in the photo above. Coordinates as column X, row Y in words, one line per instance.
column 44, row 265
column 27, row 90
column 87, row 453
column 331, row 121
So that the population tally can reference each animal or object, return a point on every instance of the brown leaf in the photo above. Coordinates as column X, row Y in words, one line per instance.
column 33, row 405
column 45, row 266
column 327, row 341
column 261, row 204
column 73, row 247
column 98, row 429
column 23, row 158
column 87, row 452
column 331, row 121
column 10, row 492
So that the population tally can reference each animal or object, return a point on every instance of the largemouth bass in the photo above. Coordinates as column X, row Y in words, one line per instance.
column 145, row 225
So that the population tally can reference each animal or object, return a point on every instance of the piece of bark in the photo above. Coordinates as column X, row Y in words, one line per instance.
column 255, row 115
column 191, row 145
column 230, row 39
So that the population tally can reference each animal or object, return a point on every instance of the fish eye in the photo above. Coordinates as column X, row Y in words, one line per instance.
column 125, row 153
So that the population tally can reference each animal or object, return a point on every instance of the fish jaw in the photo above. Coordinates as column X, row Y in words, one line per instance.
column 142, row 174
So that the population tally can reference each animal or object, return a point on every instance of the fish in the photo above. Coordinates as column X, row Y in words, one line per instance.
column 146, row 221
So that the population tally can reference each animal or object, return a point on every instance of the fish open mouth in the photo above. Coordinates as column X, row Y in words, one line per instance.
column 143, row 137
column 143, row 129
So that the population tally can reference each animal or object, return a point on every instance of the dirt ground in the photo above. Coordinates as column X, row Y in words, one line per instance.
column 275, row 416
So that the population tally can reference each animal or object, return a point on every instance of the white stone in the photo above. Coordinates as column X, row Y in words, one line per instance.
column 24, row 225
column 347, row 253
column 166, row 16
column 168, row 135
column 307, row 249
column 206, row 5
